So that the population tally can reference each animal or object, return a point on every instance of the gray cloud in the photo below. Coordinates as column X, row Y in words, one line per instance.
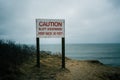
column 116, row 3
column 87, row 21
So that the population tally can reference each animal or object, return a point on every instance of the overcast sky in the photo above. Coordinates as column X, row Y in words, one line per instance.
column 86, row 21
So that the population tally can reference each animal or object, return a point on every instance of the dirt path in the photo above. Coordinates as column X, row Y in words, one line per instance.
column 88, row 70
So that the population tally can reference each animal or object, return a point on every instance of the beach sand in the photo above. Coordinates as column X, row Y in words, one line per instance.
column 50, row 69
column 88, row 70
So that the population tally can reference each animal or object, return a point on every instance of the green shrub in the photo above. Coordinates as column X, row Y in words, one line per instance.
column 11, row 57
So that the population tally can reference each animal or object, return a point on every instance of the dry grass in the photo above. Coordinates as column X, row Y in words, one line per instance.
column 50, row 69
column 19, row 63
column 92, row 70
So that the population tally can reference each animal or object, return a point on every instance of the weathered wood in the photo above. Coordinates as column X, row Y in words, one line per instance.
column 63, row 52
column 38, row 52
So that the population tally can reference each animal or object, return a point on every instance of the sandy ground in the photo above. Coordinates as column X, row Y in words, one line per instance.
column 88, row 70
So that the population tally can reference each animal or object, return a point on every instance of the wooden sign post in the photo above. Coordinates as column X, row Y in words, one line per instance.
column 50, row 28
column 38, row 52
column 63, row 52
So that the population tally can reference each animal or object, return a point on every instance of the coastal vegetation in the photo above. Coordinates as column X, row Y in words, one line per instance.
column 18, row 62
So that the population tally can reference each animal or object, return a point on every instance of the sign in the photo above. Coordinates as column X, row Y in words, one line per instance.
column 50, row 28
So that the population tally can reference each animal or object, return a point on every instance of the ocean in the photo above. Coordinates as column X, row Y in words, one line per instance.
column 108, row 54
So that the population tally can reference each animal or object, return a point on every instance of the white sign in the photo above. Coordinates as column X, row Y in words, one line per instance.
column 50, row 28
